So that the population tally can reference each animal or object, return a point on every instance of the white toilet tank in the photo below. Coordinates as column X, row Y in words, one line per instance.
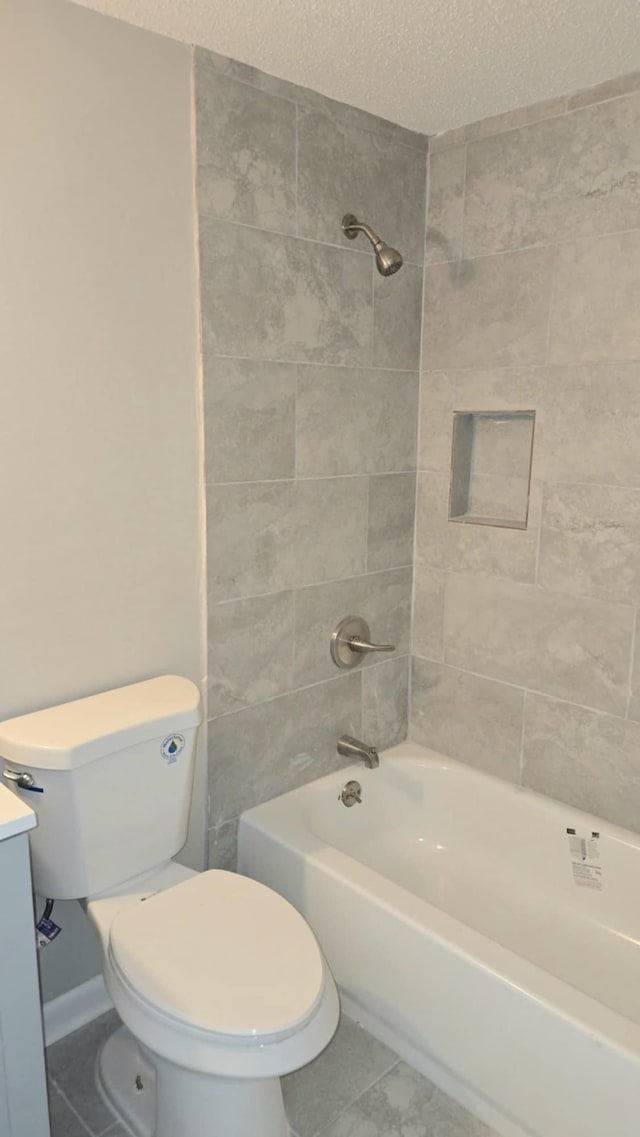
column 115, row 771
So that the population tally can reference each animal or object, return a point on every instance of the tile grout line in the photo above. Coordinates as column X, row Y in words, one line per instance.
column 414, row 544
column 530, row 690
column 360, row 366
column 386, row 129
column 327, row 1128
column 464, row 200
column 297, row 166
column 368, row 528
column 285, row 695
column 60, row 1092
column 550, row 483
column 214, row 219
column 584, row 597
column 632, row 655
column 310, row 478
column 306, row 687
column 590, row 239
column 566, row 110
column 522, row 737
column 294, row 638
column 483, row 365
column 313, row 584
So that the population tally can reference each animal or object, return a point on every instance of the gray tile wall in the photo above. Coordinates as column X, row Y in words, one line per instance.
column 311, row 386
column 526, row 657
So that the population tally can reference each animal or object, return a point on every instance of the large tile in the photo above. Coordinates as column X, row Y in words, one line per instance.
column 385, row 703
column 259, row 753
column 392, row 501
column 343, row 169
column 246, row 144
column 404, row 1104
column 427, row 628
column 587, row 417
column 446, row 206
column 475, row 720
column 568, row 177
column 493, row 310
column 307, row 98
column 574, row 648
column 458, row 546
column 397, row 319
column 250, row 645
column 223, row 846
column 597, row 300
column 496, row 124
column 588, row 423
column 274, row 297
column 71, row 1066
column 271, row 536
column 316, row 1095
column 588, row 760
column 610, row 89
column 63, row 1121
column 249, row 419
column 590, row 541
column 383, row 599
column 355, row 421
column 437, row 404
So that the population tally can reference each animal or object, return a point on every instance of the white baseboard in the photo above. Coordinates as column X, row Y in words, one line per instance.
column 74, row 1009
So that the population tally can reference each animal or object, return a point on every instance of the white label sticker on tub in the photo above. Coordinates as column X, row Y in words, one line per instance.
column 584, row 851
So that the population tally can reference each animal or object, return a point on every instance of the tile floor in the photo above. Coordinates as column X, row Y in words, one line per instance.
column 356, row 1088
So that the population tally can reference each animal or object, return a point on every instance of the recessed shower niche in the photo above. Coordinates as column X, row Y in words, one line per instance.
column 491, row 467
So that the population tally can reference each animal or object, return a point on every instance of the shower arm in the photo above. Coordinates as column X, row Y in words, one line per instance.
column 351, row 227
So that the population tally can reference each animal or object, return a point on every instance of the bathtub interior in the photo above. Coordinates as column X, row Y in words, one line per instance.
column 496, row 858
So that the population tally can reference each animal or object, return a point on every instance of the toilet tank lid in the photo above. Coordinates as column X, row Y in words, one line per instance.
column 70, row 735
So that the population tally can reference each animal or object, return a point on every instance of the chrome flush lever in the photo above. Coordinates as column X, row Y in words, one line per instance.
column 351, row 640
column 22, row 780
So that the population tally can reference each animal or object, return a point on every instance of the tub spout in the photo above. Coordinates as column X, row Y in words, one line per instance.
column 358, row 751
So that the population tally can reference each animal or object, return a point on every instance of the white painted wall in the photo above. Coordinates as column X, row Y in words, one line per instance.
column 100, row 506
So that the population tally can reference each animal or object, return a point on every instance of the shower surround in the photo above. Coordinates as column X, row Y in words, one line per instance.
column 523, row 641
column 526, row 659
column 311, row 383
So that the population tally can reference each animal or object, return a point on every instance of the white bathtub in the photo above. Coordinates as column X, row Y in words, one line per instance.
column 448, row 908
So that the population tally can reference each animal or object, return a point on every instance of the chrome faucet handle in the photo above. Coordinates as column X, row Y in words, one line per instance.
column 351, row 640
column 363, row 646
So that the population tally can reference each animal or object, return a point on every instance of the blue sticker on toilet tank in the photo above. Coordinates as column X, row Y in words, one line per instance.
column 172, row 747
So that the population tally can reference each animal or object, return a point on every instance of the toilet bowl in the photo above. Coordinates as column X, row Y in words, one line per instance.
column 223, row 987
column 219, row 982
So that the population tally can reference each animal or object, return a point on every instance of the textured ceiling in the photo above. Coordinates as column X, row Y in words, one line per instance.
column 426, row 64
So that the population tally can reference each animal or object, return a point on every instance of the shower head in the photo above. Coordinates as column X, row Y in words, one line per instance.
column 388, row 260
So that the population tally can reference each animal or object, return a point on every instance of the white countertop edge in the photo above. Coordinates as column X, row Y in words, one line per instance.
column 15, row 816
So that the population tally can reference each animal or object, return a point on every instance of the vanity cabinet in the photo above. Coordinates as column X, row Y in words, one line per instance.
column 23, row 1086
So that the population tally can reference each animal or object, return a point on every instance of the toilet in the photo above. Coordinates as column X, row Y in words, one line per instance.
column 219, row 982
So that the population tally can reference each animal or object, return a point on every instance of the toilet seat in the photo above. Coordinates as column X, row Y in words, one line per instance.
column 221, row 974
column 222, row 953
